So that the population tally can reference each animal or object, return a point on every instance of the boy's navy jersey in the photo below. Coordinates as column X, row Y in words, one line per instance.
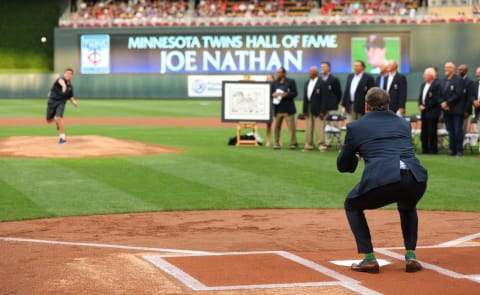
column 56, row 91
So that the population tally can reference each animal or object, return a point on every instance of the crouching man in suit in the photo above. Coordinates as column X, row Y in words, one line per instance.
column 392, row 174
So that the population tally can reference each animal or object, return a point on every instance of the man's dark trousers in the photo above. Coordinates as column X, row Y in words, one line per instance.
column 454, row 126
column 429, row 135
column 406, row 193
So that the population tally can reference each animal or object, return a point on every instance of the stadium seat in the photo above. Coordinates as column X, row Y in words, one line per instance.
column 442, row 134
column 471, row 138
column 416, row 128
column 333, row 129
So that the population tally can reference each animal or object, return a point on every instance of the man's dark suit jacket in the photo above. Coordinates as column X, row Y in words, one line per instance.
column 287, row 104
column 316, row 100
column 331, row 93
column 452, row 93
column 365, row 83
column 467, row 94
column 398, row 92
column 475, row 95
column 382, row 139
column 432, row 100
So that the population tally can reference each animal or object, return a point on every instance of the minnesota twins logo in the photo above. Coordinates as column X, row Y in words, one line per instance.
column 95, row 57
column 199, row 86
column 95, row 54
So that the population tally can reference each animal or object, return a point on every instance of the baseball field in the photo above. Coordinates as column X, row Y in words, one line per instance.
column 147, row 197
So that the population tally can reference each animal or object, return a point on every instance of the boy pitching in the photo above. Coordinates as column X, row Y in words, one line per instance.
column 61, row 91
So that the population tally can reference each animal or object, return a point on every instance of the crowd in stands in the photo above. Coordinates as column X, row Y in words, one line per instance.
column 151, row 9
column 137, row 9
column 225, row 12
column 376, row 7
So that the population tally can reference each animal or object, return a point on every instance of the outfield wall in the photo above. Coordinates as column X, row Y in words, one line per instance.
column 429, row 44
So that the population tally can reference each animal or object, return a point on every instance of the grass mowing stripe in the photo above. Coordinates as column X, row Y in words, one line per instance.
column 14, row 205
column 62, row 191
column 254, row 188
column 311, row 179
column 116, row 108
column 162, row 188
column 313, row 169
column 132, row 107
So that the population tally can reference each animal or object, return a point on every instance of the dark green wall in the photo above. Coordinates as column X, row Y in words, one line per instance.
column 22, row 24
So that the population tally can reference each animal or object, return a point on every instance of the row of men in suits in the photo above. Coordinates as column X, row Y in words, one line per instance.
column 359, row 82
column 327, row 95
column 323, row 95
column 451, row 97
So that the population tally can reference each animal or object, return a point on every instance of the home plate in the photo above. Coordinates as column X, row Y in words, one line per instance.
column 381, row 262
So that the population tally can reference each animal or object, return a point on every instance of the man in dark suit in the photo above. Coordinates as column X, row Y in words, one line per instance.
column 476, row 94
column 467, row 85
column 314, row 110
column 396, row 88
column 331, row 94
column 429, row 106
column 358, row 83
column 453, row 106
column 284, row 91
column 392, row 174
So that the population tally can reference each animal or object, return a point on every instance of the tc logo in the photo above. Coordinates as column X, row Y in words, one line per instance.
column 199, row 86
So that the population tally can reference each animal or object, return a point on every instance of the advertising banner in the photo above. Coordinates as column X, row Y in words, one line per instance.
column 211, row 85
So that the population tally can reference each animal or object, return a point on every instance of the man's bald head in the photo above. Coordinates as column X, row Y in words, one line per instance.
column 392, row 66
column 313, row 72
column 449, row 68
column 462, row 70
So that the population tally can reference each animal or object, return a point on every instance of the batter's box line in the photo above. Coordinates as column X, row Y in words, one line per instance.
column 436, row 268
column 108, row 246
column 460, row 242
column 196, row 285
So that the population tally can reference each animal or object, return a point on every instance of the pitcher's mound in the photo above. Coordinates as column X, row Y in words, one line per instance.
column 77, row 147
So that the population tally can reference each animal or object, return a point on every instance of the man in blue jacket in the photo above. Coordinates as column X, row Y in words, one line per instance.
column 392, row 174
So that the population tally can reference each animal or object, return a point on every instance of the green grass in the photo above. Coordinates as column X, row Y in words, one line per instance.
column 117, row 108
column 201, row 108
column 210, row 175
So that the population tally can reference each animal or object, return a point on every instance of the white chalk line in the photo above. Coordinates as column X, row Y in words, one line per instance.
column 97, row 245
column 440, row 270
column 459, row 241
column 194, row 284
column 343, row 280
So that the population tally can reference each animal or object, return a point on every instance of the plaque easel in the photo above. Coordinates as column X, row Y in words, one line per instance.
column 246, row 142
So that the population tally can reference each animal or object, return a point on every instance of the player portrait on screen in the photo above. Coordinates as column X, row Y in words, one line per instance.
column 376, row 49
